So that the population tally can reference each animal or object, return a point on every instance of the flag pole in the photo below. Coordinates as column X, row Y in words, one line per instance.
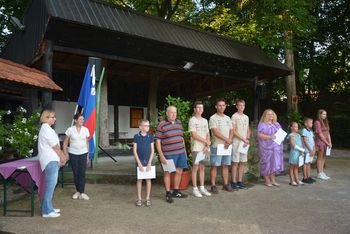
column 76, row 110
column 97, row 131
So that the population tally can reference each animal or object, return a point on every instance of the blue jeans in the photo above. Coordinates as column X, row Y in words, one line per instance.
column 51, row 175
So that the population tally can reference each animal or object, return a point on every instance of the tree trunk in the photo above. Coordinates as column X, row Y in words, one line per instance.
column 290, row 80
column 104, row 131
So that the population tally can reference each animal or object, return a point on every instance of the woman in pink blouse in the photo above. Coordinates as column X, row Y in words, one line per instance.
column 323, row 140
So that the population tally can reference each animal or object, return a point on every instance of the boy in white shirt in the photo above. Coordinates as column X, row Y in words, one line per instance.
column 241, row 135
column 200, row 138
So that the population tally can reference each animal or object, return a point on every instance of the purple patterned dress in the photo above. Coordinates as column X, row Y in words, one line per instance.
column 271, row 154
column 320, row 145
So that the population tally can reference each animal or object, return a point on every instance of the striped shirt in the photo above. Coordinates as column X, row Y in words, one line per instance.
column 171, row 137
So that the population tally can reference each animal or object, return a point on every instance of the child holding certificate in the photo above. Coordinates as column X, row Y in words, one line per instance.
column 143, row 150
column 200, row 138
column 309, row 145
column 296, row 151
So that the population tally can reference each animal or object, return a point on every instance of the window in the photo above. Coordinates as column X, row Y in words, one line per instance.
column 136, row 114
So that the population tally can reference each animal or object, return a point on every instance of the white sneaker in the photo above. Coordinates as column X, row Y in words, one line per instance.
column 204, row 191
column 76, row 195
column 57, row 210
column 327, row 177
column 321, row 176
column 51, row 215
column 83, row 196
column 196, row 193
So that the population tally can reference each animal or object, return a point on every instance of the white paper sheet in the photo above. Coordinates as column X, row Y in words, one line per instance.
column 280, row 135
column 151, row 174
column 301, row 161
column 308, row 158
column 200, row 156
column 169, row 166
column 328, row 151
column 21, row 168
column 242, row 149
column 222, row 151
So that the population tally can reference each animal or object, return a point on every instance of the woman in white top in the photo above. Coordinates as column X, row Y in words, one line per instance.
column 51, row 158
column 77, row 137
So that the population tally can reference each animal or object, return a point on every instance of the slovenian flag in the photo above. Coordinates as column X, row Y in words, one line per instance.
column 87, row 100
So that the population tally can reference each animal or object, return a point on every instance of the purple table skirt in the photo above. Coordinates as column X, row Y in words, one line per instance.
column 24, row 179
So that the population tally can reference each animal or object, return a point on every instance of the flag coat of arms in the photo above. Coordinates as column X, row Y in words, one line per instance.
column 87, row 100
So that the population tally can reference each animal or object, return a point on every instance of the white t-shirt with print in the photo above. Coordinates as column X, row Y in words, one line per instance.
column 77, row 140
column 223, row 124
column 242, row 125
column 200, row 126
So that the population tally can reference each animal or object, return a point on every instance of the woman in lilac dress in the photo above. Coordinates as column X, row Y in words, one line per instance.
column 271, row 154
column 323, row 140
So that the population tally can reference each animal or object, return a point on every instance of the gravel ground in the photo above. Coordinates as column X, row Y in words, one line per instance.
column 322, row 207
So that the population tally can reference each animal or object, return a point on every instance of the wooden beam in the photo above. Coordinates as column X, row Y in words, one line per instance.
column 47, row 67
column 155, row 76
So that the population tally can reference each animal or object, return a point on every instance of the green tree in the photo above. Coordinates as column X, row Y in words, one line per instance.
column 7, row 9
column 325, row 60
column 175, row 10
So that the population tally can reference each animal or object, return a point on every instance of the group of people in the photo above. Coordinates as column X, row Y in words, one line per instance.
column 169, row 140
column 230, row 132
column 51, row 158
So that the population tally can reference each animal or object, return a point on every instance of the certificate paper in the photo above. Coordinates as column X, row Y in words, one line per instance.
column 328, row 151
column 301, row 161
column 280, row 135
column 308, row 158
column 199, row 157
column 169, row 166
column 151, row 174
column 222, row 151
column 242, row 149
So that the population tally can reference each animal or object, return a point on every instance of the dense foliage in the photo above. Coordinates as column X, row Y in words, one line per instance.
column 316, row 33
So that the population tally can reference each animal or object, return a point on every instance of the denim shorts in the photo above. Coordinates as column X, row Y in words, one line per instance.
column 180, row 160
column 219, row 160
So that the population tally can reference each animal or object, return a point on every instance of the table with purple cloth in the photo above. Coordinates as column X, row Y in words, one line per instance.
column 25, row 172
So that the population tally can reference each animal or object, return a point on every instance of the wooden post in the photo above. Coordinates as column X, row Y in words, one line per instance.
column 152, row 96
column 47, row 67
column 116, row 122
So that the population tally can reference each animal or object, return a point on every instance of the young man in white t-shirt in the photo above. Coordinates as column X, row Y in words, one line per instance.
column 220, row 126
column 241, row 135
column 200, row 138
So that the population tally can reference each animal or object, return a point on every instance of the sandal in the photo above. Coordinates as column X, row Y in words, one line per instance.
column 148, row 202
column 276, row 184
column 293, row 183
column 138, row 203
column 268, row 185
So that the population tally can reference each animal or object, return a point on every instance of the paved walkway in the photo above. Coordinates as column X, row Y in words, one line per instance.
column 323, row 207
